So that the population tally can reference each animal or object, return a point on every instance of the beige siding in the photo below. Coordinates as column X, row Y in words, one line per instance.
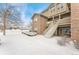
column 47, row 13
column 52, row 12
column 57, row 9
column 65, row 21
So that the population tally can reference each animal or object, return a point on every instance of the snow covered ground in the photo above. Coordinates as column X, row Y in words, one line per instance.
column 16, row 43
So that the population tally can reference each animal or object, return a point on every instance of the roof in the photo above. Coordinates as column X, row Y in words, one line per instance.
column 48, row 7
column 39, row 15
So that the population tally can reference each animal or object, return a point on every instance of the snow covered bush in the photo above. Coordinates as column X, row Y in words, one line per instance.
column 63, row 41
column 76, row 44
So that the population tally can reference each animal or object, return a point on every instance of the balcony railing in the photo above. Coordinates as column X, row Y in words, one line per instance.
column 64, row 21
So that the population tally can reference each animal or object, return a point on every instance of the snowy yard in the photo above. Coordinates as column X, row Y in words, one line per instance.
column 17, row 43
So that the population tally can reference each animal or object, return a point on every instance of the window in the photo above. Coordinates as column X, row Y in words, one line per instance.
column 62, row 5
column 58, row 3
column 66, row 31
column 52, row 6
column 53, row 10
column 35, row 19
column 58, row 8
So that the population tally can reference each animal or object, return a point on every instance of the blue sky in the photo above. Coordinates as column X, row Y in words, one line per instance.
column 28, row 9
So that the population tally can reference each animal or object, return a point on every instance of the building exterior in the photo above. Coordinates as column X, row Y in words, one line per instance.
column 56, row 11
column 61, row 10
column 68, row 13
column 75, row 21
column 38, row 23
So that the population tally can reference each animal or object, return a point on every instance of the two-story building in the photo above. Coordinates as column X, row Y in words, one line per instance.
column 62, row 11
column 39, row 23
column 53, row 13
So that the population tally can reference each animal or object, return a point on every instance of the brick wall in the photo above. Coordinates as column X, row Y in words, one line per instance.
column 40, row 24
column 75, row 21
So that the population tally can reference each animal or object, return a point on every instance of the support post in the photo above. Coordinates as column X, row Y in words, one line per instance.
column 4, row 24
column 5, row 16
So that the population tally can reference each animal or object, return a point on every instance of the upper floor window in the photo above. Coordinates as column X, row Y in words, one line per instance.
column 57, row 3
column 52, row 6
column 58, row 8
column 62, row 5
column 35, row 19
column 53, row 11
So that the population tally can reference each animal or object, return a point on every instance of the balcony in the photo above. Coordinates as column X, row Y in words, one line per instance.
column 65, row 21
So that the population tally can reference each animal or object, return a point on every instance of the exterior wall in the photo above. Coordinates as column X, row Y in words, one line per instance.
column 59, row 8
column 40, row 24
column 75, row 21
column 64, row 30
column 65, row 21
column 47, row 13
column 55, row 9
column 53, row 12
column 35, row 23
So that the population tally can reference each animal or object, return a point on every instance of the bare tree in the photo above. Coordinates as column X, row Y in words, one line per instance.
column 10, row 14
